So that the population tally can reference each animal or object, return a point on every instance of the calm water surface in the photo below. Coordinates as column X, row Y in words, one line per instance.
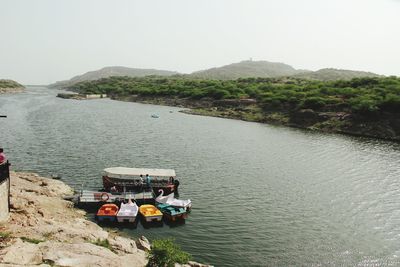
column 263, row 195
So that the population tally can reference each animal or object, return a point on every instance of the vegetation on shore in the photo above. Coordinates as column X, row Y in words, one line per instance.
column 165, row 252
column 361, row 95
column 9, row 84
column 328, row 105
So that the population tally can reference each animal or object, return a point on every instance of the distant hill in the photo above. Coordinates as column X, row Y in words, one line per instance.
column 10, row 84
column 265, row 69
column 111, row 71
column 243, row 69
column 247, row 69
column 330, row 74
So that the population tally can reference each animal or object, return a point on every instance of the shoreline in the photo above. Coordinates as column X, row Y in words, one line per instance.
column 45, row 229
column 12, row 90
column 387, row 127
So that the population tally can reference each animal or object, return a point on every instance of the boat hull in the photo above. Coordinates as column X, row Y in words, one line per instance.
column 150, row 219
column 126, row 219
column 106, row 218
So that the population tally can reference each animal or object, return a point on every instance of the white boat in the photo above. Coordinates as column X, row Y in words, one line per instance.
column 127, row 212
column 171, row 200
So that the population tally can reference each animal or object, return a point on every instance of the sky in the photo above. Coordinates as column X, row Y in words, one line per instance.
column 43, row 41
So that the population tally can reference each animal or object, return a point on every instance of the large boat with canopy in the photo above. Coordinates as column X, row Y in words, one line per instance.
column 122, row 179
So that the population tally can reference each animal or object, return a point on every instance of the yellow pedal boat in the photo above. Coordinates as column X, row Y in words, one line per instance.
column 150, row 213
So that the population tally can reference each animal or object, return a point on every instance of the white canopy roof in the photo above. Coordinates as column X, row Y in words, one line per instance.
column 118, row 172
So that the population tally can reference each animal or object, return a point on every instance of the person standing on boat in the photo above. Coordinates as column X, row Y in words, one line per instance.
column 3, row 158
column 141, row 182
column 148, row 180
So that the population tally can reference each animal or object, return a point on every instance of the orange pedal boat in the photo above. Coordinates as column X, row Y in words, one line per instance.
column 107, row 212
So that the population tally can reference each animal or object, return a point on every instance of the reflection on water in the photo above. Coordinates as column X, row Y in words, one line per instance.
column 262, row 195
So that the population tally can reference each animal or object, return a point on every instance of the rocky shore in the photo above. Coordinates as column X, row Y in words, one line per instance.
column 46, row 230
column 11, row 90
column 43, row 229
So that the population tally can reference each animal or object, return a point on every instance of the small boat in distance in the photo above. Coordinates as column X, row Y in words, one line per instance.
column 127, row 212
column 107, row 212
column 172, row 213
column 155, row 116
column 150, row 213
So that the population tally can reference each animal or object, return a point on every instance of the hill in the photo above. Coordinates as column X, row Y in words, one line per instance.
column 243, row 69
column 330, row 74
column 246, row 69
column 10, row 86
column 265, row 69
column 111, row 71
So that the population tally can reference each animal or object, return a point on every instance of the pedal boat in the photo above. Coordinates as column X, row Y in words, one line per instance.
column 127, row 212
column 172, row 213
column 171, row 200
column 150, row 213
column 107, row 212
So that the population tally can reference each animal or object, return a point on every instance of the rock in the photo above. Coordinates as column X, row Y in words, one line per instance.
column 143, row 244
column 78, row 254
column 196, row 264
column 134, row 260
column 39, row 212
column 305, row 117
column 87, row 254
column 122, row 244
column 21, row 253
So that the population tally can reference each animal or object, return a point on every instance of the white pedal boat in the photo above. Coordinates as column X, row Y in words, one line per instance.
column 127, row 212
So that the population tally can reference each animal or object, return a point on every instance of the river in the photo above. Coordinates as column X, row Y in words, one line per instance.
column 263, row 195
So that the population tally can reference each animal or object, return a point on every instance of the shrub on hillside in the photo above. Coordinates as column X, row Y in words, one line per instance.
column 165, row 253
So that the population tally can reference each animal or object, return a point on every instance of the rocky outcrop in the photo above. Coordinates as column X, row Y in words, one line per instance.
column 11, row 90
column 10, row 86
column 43, row 229
column 192, row 264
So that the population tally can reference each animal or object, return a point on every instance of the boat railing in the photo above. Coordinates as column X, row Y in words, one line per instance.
column 78, row 188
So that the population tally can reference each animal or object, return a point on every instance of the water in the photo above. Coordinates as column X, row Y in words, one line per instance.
column 263, row 195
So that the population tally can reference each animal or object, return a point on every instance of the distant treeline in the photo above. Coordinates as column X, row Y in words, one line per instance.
column 359, row 95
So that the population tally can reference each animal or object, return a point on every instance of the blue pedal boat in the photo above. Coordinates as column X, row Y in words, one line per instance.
column 172, row 213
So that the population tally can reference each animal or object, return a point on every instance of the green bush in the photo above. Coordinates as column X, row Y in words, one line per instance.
column 362, row 95
column 165, row 253
column 313, row 103
column 391, row 103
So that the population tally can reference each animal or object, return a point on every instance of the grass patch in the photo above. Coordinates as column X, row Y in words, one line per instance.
column 5, row 235
column 32, row 240
column 103, row 243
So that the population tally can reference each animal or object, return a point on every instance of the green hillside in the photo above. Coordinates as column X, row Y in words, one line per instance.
column 330, row 74
column 246, row 69
column 9, row 84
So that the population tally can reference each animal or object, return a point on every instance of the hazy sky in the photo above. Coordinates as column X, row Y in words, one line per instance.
column 42, row 41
